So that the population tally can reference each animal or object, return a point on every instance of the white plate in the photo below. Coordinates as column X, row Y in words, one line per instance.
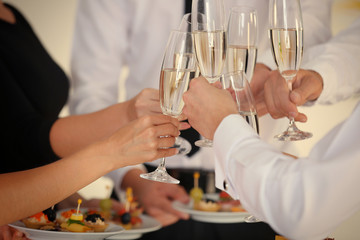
column 212, row 217
column 37, row 234
column 149, row 224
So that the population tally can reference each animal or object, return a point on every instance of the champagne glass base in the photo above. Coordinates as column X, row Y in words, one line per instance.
column 251, row 219
column 204, row 143
column 293, row 136
column 292, row 133
column 183, row 146
column 160, row 175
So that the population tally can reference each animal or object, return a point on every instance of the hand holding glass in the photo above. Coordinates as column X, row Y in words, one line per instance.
column 208, row 28
column 286, row 37
column 178, row 67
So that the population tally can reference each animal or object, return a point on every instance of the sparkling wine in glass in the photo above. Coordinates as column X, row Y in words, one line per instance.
column 178, row 68
column 209, row 33
column 286, row 37
column 242, row 35
column 237, row 84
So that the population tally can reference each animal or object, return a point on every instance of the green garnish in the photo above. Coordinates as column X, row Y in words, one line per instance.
column 70, row 221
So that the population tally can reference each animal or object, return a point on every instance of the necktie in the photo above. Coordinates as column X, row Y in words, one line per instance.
column 188, row 4
column 190, row 134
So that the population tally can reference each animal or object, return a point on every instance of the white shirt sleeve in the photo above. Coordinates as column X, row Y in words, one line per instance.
column 302, row 199
column 99, row 43
column 342, row 51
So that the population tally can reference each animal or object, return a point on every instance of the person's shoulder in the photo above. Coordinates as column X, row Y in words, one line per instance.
column 14, row 9
column 20, row 17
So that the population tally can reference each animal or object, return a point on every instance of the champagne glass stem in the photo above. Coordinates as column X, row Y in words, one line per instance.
column 292, row 133
column 292, row 126
column 183, row 145
column 204, row 143
column 160, row 174
column 162, row 165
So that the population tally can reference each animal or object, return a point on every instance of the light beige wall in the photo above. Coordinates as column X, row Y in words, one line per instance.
column 53, row 22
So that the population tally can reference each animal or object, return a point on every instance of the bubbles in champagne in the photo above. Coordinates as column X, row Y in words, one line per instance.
column 241, row 58
column 173, row 83
column 287, row 48
column 210, row 49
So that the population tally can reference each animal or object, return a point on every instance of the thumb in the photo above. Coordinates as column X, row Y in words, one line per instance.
column 301, row 95
column 308, row 87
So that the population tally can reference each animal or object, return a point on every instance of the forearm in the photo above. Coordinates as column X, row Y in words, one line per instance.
column 72, row 133
column 28, row 192
column 132, row 179
column 69, row 202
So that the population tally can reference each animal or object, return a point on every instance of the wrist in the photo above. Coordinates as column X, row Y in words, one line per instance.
column 132, row 179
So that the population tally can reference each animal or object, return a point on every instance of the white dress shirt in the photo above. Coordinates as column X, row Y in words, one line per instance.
column 111, row 34
column 301, row 199
column 309, row 197
column 342, row 51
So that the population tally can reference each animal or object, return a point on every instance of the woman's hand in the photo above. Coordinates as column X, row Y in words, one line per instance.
column 143, row 140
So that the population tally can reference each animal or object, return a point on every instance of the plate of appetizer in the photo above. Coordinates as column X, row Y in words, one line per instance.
column 132, row 219
column 213, row 208
column 37, row 234
column 66, row 224
column 147, row 224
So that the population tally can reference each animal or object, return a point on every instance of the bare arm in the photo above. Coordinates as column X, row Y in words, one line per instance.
column 75, row 132
column 42, row 187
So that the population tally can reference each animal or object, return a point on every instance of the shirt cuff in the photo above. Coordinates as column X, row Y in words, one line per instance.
column 232, row 130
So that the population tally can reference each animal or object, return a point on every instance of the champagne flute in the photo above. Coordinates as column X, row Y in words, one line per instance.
column 178, row 67
column 237, row 84
column 181, row 143
column 286, row 37
column 242, row 34
column 208, row 28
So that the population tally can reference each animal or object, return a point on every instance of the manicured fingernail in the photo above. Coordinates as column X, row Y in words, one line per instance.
column 292, row 114
column 303, row 119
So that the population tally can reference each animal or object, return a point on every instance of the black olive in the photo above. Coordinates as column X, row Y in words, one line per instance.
column 93, row 217
column 210, row 200
column 50, row 213
column 126, row 218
